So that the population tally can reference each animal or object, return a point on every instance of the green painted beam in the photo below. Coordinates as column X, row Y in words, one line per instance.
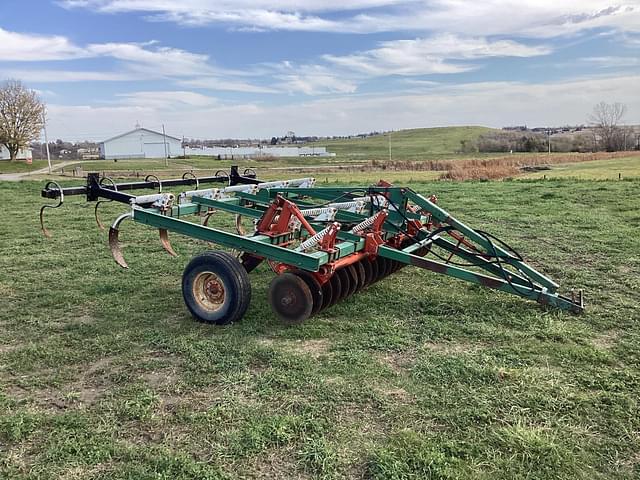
column 443, row 217
column 537, row 294
column 231, row 240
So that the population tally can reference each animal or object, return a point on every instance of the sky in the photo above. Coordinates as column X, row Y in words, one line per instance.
column 260, row 68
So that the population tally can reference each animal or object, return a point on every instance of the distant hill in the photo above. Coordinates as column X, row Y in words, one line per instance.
column 413, row 144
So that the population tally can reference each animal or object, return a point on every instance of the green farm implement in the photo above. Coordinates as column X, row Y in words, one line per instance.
column 323, row 243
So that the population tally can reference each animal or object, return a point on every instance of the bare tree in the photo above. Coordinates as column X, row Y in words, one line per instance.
column 605, row 120
column 21, row 116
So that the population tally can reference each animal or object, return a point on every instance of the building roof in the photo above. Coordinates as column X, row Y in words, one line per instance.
column 138, row 129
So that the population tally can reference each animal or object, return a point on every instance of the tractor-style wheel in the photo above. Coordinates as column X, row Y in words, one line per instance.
column 216, row 288
column 290, row 298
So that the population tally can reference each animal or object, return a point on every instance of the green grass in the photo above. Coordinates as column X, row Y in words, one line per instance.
column 413, row 144
column 104, row 375
column 598, row 169
column 7, row 166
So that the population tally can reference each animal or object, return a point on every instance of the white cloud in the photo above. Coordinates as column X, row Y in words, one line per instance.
column 136, row 61
column 611, row 61
column 225, row 84
column 316, row 84
column 167, row 99
column 529, row 18
column 423, row 56
column 158, row 60
column 59, row 76
column 28, row 47
column 491, row 103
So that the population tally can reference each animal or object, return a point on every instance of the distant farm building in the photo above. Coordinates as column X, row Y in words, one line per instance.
column 232, row 153
column 23, row 154
column 141, row 143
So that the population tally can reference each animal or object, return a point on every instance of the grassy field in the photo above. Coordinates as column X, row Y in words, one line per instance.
column 599, row 169
column 104, row 375
column 413, row 144
column 20, row 166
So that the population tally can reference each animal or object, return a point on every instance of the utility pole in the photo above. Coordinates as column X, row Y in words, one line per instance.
column 549, row 140
column 46, row 140
column 389, row 145
column 164, row 142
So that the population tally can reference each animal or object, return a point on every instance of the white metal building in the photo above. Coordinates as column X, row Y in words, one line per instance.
column 226, row 153
column 23, row 154
column 141, row 143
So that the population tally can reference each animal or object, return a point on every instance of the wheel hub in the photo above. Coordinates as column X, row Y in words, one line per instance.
column 208, row 290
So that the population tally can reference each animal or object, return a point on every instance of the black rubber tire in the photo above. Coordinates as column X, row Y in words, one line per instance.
column 315, row 287
column 234, row 278
column 289, row 286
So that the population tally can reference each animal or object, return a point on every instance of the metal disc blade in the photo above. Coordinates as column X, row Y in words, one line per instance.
column 361, row 275
column 353, row 277
column 345, row 282
column 385, row 267
column 368, row 271
column 375, row 271
column 336, row 289
column 327, row 295
column 314, row 287
column 290, row 298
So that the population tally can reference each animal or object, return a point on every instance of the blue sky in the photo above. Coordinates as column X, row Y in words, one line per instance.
column 257, row 68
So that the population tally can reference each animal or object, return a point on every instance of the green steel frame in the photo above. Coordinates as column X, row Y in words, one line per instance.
column 522, row 279
column 418, row 220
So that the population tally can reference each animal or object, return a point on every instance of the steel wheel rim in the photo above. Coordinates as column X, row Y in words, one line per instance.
column 208, row 291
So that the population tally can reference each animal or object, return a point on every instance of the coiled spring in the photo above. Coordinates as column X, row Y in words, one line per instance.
column 314, row 240
column 366, row 223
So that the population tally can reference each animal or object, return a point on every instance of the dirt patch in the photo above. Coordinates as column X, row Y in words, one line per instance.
column 452, row 348
column 6, row 291
column 314, row 348
column 275, row 465
column 398, row 362
column 7, row 348
column 397, row 394
column 159, row 379
column 606, row 340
